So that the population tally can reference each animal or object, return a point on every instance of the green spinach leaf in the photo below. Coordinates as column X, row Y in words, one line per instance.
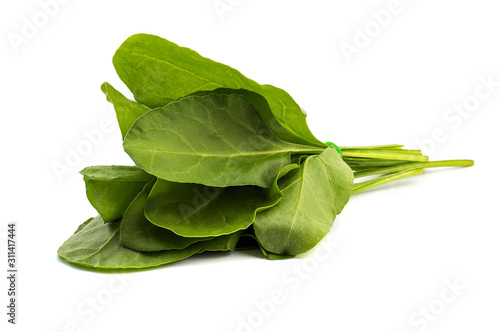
column 98, row 245
column 194, row 210
column 312, row 196
column 222, row 243
column 214, row 140
column 127, row 111
column 83, row 225
column 158, row 72
column 111, row 189
column 139, row 234
column 269, row 255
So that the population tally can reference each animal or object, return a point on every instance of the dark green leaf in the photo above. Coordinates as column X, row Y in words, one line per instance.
column 312, row 196
column 111, row 189
column 269, row 255
column 222, row 243
column 98, row 245
column 127, row 111
column 139, row 234
column 194, row 210
column 215, row 140
column 158, row 71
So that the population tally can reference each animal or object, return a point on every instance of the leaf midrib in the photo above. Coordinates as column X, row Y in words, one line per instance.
column 132, row 53
column 103, row 245
column 226, row 154
column 302, row 179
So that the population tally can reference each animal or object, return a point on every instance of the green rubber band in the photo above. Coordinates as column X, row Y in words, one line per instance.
column 336, row 147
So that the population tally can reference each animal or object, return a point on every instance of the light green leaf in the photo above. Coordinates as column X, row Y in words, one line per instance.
column 137, row 233
column 312, row 197
column 194, row 210
column 222, row 243
column 158, row 71
column 98, row 245
column 215, row 140
column 83, row 225
column 127, row 111
column 111, row 189
column 267, row 254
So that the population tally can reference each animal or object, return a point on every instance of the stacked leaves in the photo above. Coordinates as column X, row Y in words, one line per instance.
column 222, row 163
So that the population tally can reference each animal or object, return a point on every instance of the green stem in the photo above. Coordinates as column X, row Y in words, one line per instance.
column 373, row 163
column 362, row 186
column 410, row 166
column 391, row 161
column 385, row 154
column 371, row 147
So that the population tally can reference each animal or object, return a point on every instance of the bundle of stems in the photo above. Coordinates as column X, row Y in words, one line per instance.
column 389, row 163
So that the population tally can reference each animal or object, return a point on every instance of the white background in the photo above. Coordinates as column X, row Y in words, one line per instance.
column 393, row 252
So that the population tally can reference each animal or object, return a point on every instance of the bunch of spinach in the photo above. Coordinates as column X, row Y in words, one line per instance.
column 222, row 163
